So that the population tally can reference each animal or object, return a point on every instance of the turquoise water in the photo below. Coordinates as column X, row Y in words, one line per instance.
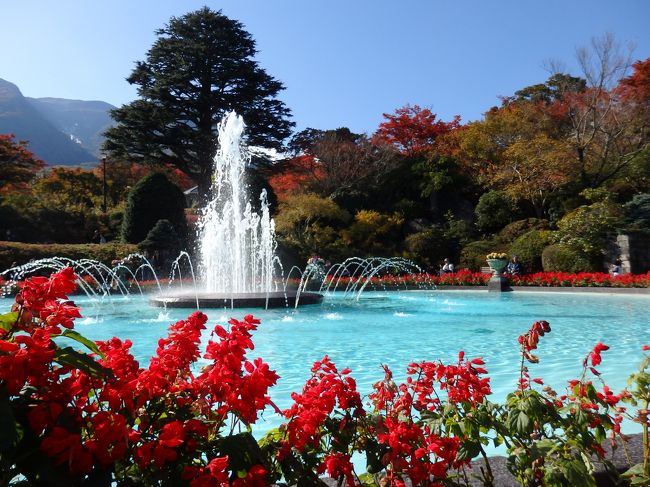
column 400, row 327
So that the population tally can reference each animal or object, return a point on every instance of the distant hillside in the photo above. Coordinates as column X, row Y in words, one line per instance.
column 83, row 121
column 61, row 132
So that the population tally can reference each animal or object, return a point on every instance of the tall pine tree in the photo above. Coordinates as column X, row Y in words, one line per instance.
column 200, row 67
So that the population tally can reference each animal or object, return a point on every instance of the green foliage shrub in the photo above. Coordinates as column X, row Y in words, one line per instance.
column 587, row 228
column 529, row 247
column 561, row 258
column 638, row 212
column 309, row 224
column 18, row 253
column 516, row 229
column 409, row 209
column 458, row 230
column 25, row 220
column 374, row 233
column 162, row 236
column 427, row 248
column 493, row 211
column 153, row 198
column 472, row 256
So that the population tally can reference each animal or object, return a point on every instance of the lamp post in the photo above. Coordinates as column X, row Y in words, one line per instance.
column 104, row 206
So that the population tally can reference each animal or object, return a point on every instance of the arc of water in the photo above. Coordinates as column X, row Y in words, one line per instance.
column 176, row 266
column 361, row 272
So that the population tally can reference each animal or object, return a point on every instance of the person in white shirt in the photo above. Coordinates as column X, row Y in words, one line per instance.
column 447, row 267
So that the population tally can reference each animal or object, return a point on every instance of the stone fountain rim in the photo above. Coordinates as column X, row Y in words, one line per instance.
column 275, row 299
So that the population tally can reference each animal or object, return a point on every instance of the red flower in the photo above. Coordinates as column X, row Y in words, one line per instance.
column 322, row 392
column 255, row 477
column 213, row 474
column 595, row 353
column 339, row 465
column 66, row 448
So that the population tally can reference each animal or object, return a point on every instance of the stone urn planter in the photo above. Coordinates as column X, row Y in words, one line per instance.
column 497, row 266
column 497, row 262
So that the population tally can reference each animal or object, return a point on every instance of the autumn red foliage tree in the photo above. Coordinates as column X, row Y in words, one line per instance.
column 637, row 85
column 294, row 175
column 603, row 131
column 412, row 129
column 17, row 164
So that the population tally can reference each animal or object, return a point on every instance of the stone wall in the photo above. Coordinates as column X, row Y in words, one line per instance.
column 634, row 251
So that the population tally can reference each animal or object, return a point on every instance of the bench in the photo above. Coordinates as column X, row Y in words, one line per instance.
column 486, row 270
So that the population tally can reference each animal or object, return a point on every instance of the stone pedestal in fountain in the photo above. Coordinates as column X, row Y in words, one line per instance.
column 497, row 282
column 236, row 300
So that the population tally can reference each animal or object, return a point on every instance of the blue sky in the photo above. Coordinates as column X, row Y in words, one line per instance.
column 344, row 62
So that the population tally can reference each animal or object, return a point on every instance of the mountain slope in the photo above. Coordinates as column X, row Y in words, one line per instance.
column 84, row 121
column 19, row 117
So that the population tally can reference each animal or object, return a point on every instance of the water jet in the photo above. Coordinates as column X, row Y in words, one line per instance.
column 238, row 266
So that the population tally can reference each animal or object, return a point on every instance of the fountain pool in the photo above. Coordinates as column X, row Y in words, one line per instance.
column 396, row 328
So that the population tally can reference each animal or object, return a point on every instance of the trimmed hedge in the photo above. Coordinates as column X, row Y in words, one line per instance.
column 18, row 253
column 474, row 253
column 153, row 198
column 428, row 247
column 561, row 258
column 529, row 247
column 493, row 211
column 512, row 231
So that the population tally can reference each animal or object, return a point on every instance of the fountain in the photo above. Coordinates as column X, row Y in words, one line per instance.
column 236, row 245
column 237, row 263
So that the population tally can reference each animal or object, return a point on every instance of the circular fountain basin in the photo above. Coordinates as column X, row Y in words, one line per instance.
column 236, row 300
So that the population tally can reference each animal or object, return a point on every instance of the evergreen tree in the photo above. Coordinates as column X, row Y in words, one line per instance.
column 163, row 237
column 153, row 198
column 200, row 67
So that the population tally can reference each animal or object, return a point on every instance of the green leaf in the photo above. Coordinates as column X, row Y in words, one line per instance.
column 8, row 320
column 8, row 434
column 640, row 481
column 242, row 450
column 634, row 470
column 78, row 337
column 518, row 421
column 468, row 450
column 374, row 454
column 70, row 357
column 272, row 436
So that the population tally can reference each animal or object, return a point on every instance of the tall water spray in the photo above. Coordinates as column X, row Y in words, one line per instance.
column 237, row 245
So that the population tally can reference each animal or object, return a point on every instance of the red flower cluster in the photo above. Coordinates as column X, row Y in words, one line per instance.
column 28, row 349
column 599, row 407
column 468, row 278
column 325, row 390
column 108, row 413
column 102, row 412
column 581, row 279
column 528, row 342
column 415, row 451
column 232, row 383
column 461, row 381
